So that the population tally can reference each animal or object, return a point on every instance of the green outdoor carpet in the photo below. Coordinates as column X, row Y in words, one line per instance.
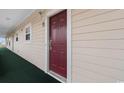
column 14, row 69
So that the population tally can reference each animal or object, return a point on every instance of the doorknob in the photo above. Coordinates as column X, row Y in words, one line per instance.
column 50, row 45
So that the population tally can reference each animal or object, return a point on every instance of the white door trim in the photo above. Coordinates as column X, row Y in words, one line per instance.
column 69, row 54
column 69, row 47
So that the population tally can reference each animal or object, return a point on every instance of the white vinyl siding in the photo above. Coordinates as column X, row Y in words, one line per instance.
column 32, row 51
column 98, row 45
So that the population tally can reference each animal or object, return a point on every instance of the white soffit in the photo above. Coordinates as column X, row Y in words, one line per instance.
column 10, row 17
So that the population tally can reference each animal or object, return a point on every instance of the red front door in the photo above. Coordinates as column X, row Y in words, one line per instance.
column 58, row 43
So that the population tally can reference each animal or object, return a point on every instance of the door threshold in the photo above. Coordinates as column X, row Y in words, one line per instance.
column 58, row 77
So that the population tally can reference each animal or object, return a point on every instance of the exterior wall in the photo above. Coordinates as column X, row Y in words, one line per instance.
column 98, row 45
column 34, row 50
column 9, row 39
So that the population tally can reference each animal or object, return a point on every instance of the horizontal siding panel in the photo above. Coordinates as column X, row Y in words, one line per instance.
column 79, row 11
column 105, row 71
column 37, row 39
column 103, row 53
column 38, row 28
column 89, row 15
column 100, row 61
column 100, row 27
column 39, row 33
column 90, row 75
column 100, row 44
column 116, row 34
column 101, row 22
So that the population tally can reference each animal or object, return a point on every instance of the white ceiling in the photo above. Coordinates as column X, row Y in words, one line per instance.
column 10, row 17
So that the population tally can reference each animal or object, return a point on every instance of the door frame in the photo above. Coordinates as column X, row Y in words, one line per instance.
column 69, row 43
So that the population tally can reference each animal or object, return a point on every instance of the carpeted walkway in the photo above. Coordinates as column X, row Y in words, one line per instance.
column 14, row 69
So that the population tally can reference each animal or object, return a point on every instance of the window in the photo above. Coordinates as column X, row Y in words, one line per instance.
column 17, row 37
column 9, row 43
column 28, row 33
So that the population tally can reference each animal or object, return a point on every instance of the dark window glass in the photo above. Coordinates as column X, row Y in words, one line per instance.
column 16, row 38
column 27, row 36
column 28, row 33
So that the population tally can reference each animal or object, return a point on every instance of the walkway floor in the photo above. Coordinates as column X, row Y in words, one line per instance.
column 14, row 69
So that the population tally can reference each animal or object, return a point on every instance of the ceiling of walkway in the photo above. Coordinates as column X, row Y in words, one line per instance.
column 10, row 17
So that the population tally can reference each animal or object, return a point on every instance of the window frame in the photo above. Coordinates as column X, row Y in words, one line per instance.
column 28, row 25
